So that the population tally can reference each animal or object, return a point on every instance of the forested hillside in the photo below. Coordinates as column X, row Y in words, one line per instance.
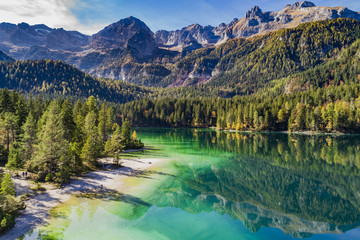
column 251, row 63
column 60, row 79
column 306, row 78
column 325, row 98
column 57, row 79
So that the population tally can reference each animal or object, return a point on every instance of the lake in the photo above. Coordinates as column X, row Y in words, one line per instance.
column 225, row 185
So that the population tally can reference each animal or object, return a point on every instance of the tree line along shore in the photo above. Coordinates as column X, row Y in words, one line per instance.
column 54, row 140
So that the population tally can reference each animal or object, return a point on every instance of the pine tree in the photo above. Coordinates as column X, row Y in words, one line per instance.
column 29, row 137
column 115, row 144
column 76, row 163
column 15, row 160
column 8, row 186
column 68, row 119
column 50, row 160
column 126, row 131
column 105, row 121
column 91, row 151
column 93, row 144
column 91, row 105
column 9, row 127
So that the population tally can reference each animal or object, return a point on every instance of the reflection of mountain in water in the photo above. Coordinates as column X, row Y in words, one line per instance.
column 281, row 181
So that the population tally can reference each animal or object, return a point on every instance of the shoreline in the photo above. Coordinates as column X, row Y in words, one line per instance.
column 310, row 133
column 39, row 205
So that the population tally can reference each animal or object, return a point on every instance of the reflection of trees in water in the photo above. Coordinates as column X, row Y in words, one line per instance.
column 316, row 152
column 260, row 194
column 299, row 184
column 290, row 182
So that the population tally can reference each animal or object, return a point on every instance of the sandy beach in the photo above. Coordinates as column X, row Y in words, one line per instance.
column 39, row 204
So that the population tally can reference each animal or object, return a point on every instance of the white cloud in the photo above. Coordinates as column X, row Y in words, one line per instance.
column 53, row 13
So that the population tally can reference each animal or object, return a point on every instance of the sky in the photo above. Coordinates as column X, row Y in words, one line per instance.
column 90, row 16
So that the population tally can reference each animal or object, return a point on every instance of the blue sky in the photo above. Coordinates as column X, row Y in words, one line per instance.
column 89, row 16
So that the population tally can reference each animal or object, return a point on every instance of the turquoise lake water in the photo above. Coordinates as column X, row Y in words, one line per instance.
column 226, row 185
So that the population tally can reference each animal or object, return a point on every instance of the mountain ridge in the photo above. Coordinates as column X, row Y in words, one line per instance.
column 129, row 51
column 255, row 22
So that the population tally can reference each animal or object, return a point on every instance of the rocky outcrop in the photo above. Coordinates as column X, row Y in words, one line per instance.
column 143, row 42
column 105, row 54
column 193, row 36
column 254, row 22
column 118, row 49
column 118, row 34
column 18, row 39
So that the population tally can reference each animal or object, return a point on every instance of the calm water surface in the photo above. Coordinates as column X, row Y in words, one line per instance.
column 221, row 185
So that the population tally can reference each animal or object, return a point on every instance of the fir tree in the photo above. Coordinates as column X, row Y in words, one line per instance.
column 15, row 160
column 29, row 137
column 8, row 186
column 68, row 119
column 51, row 156
column 93, row 144
column 126, row 131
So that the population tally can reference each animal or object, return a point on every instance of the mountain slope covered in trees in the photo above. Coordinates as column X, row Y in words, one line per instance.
column 57, row 78
column 251, row 63
column 241, row 66
column 298, row 79
column 128, row 50
column 324, row 98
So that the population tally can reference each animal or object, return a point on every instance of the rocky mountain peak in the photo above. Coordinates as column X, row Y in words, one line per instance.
column 23, row 25
column 254, row 12
column 117, row 34
column 143, row 42
column 126, row 26
column 255, row 16
column 194, row 26
column 302, row 4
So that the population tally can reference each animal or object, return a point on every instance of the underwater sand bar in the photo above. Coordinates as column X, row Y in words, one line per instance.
column 39, row 204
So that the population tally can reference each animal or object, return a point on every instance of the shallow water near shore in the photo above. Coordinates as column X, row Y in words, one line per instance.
column 225, row 185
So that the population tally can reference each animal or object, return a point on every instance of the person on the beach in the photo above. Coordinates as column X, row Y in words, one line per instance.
column 26, row 174
column 23, row 174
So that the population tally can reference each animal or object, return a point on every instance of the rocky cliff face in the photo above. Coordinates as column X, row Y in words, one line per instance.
column 254, row 22
column 191, row 37
column 118, row 34
column 118, row 51
column 128, row 50
column 257, row 22
column 17, row 40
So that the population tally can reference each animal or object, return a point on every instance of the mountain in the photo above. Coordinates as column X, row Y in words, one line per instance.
column 129, row 51
column 252, row 62
column 125, row 50
column 56, row 78
column 127, row 32
column 254, row 22
column 19, row 40
column 5, row 57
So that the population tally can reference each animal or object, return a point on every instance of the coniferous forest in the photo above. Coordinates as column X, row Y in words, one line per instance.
column 53, row 140
column 56, row 121
column 324, row 98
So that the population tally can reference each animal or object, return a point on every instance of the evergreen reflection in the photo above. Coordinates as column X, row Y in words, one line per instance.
column 300, row 184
